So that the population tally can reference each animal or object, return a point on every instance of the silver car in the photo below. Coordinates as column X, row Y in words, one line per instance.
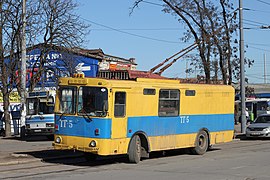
column 260, row 127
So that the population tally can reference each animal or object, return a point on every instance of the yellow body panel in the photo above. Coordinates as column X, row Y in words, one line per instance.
column 120, row 146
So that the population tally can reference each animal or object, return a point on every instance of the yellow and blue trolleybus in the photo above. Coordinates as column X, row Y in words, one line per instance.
column 135, row 117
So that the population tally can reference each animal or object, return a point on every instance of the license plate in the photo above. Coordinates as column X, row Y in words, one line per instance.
column 255, row 134
column 37, row 130
column 37, row 125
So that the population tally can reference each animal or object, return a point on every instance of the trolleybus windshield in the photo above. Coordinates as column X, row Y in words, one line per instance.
column 93, row 101
column 67, row 98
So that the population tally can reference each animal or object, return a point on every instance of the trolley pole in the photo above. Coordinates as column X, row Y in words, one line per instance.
column 242, row 71
column 23, row 72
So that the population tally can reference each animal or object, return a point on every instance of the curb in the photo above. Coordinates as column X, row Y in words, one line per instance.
column 18, row 162
column 24, row 158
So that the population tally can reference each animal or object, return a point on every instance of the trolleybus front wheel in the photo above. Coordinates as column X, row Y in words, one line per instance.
column 134, row 151
column 201, row 143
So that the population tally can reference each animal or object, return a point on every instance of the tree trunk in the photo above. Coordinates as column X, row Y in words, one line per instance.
column 7, row 114
column 229, row 49
column 4, row 88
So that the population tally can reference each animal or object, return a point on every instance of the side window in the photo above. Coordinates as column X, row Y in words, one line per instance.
column 168, row 102
column 120, row 104
column 32, row 104
column 149, row 91
column 190, row 93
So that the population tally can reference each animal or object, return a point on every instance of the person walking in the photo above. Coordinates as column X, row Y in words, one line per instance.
column 247, row 116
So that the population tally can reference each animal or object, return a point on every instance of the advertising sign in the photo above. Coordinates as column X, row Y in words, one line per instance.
column 59, row 64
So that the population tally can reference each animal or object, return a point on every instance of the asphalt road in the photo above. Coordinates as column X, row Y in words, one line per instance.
column 237, row 160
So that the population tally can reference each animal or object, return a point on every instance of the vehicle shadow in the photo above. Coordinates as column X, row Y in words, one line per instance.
column 28, row 138
column 244, row 138
column 76, row 158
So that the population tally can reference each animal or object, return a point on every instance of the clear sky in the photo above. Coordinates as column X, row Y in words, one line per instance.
column 150, row 36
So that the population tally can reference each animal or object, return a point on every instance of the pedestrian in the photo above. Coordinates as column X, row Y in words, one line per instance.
column 247, row 116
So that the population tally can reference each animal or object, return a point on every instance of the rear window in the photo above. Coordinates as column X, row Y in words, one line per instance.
column 263, row 119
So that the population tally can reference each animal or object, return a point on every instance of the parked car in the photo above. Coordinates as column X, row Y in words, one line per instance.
column 260, row 127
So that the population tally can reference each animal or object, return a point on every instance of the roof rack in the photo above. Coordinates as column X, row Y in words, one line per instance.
column 127, row 74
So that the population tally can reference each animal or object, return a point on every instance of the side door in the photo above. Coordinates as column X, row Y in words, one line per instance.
column 119, row 119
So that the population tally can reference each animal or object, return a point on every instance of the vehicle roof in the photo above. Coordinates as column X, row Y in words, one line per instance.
column 258, row 100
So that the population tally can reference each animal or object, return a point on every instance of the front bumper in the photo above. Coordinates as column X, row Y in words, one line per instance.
column 103, row 147
column 257, row 134
column 40, row 131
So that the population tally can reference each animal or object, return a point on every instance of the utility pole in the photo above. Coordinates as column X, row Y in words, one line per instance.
column 242, row 70
column 23, row 71
column 264, row 65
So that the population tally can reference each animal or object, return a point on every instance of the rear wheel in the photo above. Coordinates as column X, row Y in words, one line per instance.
column 201, row 144
column 134, row 151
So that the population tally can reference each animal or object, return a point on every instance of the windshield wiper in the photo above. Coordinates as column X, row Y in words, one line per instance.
column 60, row 116
column 84, row 113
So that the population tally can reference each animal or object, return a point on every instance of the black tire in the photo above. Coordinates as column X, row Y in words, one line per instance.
column 50, row 137
column 90, row 156
column 201, row 143
column 134, row 151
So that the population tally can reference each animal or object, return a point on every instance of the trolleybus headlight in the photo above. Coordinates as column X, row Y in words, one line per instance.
column 58, row 140
column 93, row 144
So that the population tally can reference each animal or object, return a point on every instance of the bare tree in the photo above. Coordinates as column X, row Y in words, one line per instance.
column 50, row 22
column 57, row 25
column 9, row 35
column 211, row 25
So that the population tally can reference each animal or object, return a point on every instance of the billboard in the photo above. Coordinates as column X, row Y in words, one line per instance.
column 59, row 64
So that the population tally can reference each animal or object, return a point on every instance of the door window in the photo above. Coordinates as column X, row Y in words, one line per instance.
column 120, row 104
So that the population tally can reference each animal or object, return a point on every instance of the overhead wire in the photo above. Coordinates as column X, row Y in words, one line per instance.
column 258, row 25
column 259, row 44
column 256, row 10
column 132, row 34
column 256, row 22
column 267, row 50
column 148, row 2
column 267, row 3
column 139, row 29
